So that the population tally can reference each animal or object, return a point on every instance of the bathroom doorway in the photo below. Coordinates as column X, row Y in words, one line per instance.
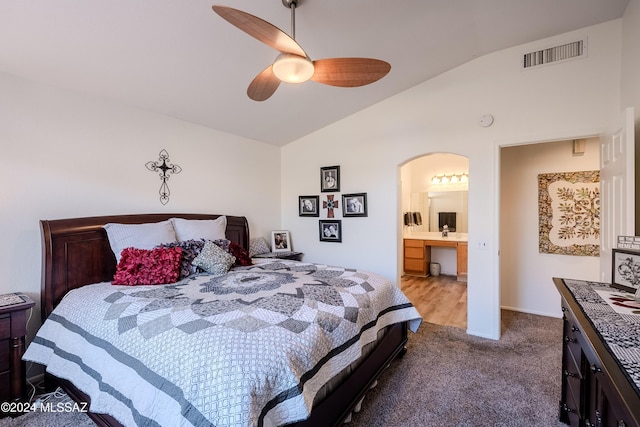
column 435, row 236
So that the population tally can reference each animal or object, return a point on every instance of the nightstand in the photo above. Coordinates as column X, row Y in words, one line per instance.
column 14, row 310
column 296, row 256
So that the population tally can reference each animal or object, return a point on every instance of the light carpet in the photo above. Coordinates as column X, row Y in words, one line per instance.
column 449, row 378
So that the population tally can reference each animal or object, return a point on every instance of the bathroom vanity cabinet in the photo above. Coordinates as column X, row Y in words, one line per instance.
column 417, row 253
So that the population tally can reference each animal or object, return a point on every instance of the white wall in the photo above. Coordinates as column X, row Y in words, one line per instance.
column 556, row 102
column 524, row 272
column 630, row 81
column 630, row 75
column 66, row 155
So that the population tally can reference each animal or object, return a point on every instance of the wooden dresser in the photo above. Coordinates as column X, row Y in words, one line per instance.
column 600, row 365
column 13, row 328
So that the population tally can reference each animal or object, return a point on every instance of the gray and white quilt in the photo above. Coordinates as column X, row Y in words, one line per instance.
column 249, row 348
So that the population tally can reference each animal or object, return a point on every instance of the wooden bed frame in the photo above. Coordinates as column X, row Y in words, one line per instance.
column 76, row 252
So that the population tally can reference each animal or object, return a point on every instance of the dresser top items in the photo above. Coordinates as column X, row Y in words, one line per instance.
column 619, row 327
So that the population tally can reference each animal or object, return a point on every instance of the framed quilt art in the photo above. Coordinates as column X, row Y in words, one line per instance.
column 569, row 213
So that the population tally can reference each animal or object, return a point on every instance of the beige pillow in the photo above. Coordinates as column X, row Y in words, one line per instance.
column 195, row 229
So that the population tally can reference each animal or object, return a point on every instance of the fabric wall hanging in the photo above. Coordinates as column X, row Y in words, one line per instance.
column 569, row 212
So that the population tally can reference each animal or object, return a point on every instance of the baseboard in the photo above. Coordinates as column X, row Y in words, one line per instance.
column 519, row 310
column 538, row 313
column 482, row 335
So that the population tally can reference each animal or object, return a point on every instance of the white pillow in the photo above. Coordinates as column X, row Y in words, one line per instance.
column 140, row 236
column 195, row 229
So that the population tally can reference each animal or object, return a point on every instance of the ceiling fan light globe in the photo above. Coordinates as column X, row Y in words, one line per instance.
column 293, row 68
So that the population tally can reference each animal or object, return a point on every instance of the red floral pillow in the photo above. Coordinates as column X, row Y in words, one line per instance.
column 241, row 254
column 148, row 266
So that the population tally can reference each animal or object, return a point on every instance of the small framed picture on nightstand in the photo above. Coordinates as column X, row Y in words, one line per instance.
column 280, row 241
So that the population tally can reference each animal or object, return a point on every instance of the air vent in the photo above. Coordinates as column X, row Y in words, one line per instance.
column 555, row 54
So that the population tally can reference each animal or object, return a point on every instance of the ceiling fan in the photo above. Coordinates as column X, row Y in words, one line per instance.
column 293, row 64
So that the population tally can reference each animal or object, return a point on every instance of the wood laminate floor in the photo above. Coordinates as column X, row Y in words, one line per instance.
column 441, row 299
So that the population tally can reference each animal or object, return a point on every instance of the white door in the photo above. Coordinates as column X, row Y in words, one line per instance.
column 617, row 189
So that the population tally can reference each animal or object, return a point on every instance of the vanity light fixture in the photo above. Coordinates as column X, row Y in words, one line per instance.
column 450, row 179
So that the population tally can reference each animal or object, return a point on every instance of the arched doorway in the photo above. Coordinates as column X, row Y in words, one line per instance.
column 434, row 198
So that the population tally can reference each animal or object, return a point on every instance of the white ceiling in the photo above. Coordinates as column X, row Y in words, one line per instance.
column 180, row 59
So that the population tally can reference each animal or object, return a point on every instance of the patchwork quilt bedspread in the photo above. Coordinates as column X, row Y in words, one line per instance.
column 248, row 348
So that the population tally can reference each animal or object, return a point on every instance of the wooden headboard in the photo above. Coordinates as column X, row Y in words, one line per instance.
column 76, row 251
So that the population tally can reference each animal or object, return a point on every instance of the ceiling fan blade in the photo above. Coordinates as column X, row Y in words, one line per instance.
column 349, row 72
column 263, row 85
column 260, row 29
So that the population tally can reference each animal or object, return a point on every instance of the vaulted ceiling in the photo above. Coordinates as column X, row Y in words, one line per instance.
column 180, row 59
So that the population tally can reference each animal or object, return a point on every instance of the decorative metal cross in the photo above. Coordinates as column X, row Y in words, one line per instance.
column 330, row 205
column 166, row 169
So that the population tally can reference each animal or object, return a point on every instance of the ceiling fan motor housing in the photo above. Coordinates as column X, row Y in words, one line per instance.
column 291, row 68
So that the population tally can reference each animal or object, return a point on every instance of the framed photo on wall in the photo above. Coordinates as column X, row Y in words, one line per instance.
column 354, row 204
column 331, row 230
column 308, row 205
column 280, row 241
column 625, row 273
column 330, row 179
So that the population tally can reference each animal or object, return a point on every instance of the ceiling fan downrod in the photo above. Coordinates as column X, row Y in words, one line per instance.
column 291, row 4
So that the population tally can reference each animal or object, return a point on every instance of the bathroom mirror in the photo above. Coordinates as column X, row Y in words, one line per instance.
column 441, row 204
